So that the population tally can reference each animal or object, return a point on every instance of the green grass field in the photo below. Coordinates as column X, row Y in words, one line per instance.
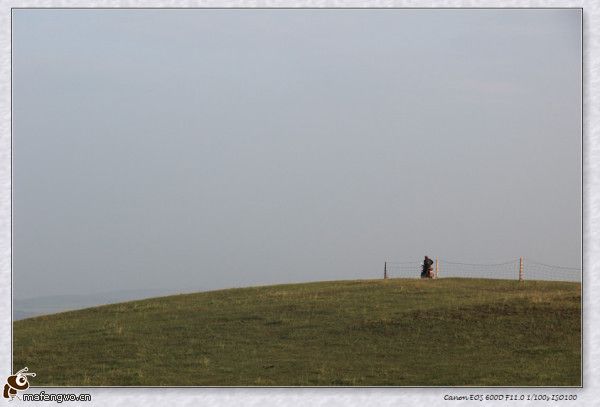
column 394, row 332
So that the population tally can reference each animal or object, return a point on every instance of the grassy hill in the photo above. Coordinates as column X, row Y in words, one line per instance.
column 346, row 333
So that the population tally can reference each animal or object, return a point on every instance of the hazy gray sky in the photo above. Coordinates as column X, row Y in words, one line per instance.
column 198, row 149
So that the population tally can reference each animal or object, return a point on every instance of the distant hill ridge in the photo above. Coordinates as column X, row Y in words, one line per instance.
column 51, row 304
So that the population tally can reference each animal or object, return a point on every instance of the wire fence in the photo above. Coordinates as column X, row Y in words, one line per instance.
column 517, row 269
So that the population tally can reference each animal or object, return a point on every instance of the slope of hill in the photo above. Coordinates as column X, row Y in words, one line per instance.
column 345, row 333
column 52, row 304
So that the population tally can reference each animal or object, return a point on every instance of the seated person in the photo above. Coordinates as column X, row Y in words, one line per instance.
column 427, row 271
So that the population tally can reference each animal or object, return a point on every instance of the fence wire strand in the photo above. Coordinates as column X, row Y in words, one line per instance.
column 541, row 271
column 509, row 270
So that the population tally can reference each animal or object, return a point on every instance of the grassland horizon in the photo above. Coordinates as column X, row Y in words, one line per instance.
column 395, row 332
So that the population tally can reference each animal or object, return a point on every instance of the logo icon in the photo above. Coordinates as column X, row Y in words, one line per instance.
column 17, row 382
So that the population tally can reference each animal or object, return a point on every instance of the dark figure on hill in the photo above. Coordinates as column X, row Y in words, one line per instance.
column 427, row 271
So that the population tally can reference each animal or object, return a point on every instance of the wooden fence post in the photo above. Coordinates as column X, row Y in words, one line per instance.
column 521, row 275
column 385, row 270
column 437, row 269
